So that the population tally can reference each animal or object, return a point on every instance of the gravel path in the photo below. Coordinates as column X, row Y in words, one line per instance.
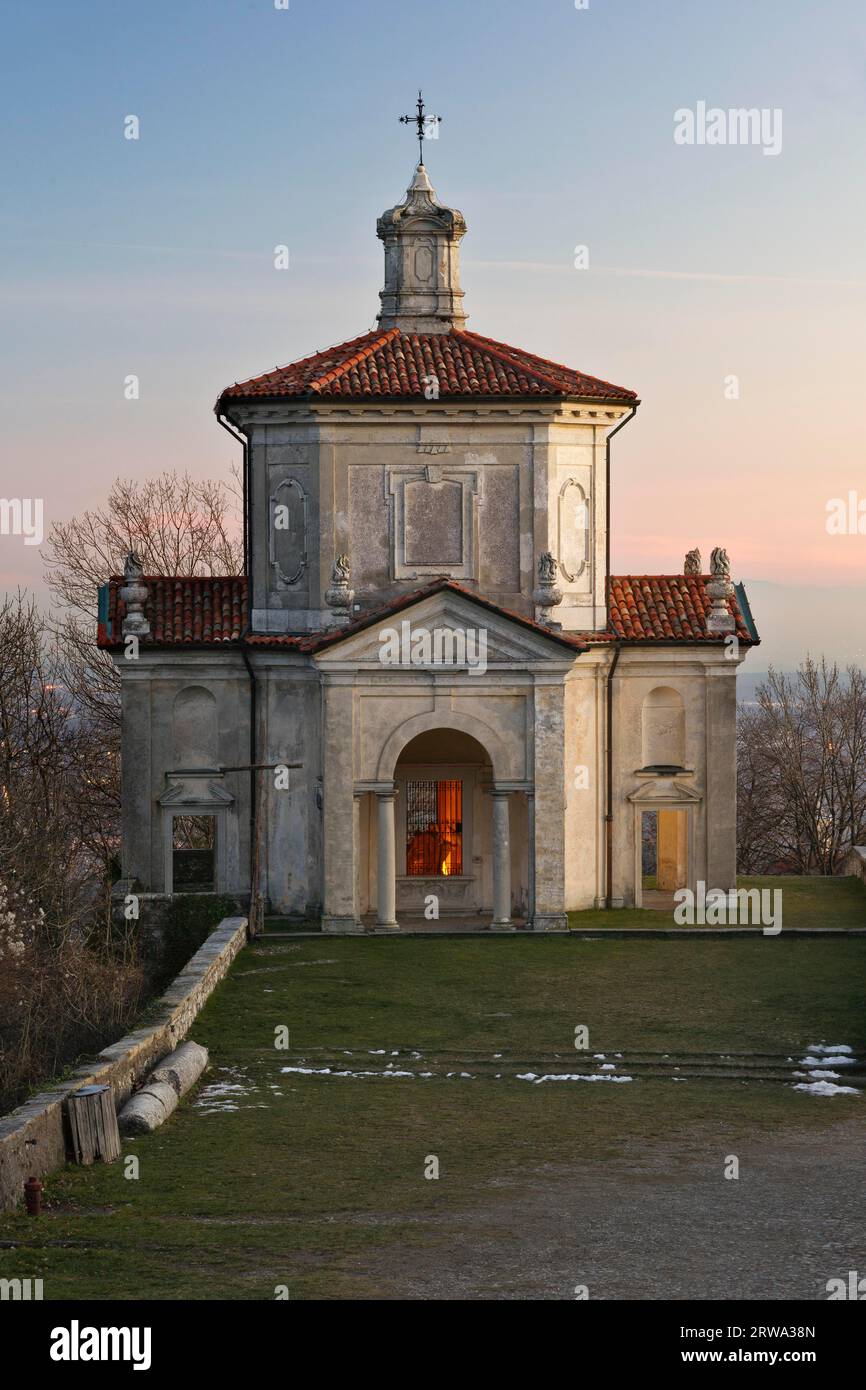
column 653, row 1225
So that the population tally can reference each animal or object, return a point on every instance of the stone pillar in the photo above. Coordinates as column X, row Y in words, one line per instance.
column 356, row 840
column 501, row 864
column 530, row 813
column 720, row 824
column 339, row 843
column 386, row 896
column 549, row 778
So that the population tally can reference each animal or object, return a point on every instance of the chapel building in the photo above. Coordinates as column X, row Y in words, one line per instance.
column 428, row 701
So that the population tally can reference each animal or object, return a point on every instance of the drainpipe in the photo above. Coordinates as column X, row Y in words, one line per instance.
column 608, row 819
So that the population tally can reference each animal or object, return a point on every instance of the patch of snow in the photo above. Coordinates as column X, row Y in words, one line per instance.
column 826, row 1088
column 569, row 1076
column 826, row 1075
column 827, row 1061
column 824, row 1047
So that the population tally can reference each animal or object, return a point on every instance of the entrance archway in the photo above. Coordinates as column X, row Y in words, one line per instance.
column 461, row 842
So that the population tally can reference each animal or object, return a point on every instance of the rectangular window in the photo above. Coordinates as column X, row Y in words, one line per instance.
column 434, row 829
column 193, row 847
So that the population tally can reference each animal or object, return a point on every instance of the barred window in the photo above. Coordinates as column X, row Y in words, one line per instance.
column 434, row 829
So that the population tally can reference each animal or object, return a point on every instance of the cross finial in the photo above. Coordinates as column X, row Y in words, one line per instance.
column 424, row 124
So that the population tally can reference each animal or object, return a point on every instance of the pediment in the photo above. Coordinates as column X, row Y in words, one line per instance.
column 445, row 630
column 667, row 790
column 195, row 788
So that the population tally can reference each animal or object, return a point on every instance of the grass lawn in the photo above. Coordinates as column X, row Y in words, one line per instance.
column 806, row 902
column 265, row 1178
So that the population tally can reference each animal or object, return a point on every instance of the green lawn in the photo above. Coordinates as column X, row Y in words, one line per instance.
column 806, row 902
column 316, row 1182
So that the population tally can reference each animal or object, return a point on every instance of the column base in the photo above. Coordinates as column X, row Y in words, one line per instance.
column 386, row 926
column 552, row 921
column 342, row 926
column 502, row 926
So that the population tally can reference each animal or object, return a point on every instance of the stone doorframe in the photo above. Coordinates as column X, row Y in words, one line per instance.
column 664, row 794
column 196, row 792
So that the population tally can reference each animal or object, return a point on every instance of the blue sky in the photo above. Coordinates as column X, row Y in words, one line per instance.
column 262, row 126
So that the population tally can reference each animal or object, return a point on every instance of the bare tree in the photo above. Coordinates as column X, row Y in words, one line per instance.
column 802, row 771
column 40, row 770
column 178, row 525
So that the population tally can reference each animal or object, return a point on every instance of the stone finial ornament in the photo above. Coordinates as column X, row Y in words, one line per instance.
column 720, row 565
column 547, row 595
column 338, row 596
column 719, row 590
column 693, row 562
column 134, row 595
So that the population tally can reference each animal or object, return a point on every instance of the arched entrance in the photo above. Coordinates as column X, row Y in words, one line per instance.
column 460, row 840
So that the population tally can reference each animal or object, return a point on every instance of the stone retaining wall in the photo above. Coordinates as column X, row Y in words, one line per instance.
column 33, row 1137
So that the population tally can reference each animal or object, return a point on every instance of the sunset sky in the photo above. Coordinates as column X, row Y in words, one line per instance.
column 261, row 126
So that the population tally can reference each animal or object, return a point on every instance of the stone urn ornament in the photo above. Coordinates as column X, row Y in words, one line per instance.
column 134, row 595
column 719, row 590
column 693, row 564
column 338, row 595
column 547, row 596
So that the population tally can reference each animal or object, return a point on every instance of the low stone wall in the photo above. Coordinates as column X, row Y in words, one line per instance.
column 33, row 1137
column 856, row 862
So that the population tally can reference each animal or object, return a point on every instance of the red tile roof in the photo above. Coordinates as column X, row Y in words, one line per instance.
column 665, row 608
column 212, row 611
column 205, row 609
column 391, row 363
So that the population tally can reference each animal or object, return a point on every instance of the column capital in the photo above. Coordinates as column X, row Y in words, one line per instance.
column 377, row 788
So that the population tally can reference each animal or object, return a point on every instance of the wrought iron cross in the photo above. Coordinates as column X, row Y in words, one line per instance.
column 421, row 121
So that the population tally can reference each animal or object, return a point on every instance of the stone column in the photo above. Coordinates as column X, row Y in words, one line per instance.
column 501, row 864
column 386, row 896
